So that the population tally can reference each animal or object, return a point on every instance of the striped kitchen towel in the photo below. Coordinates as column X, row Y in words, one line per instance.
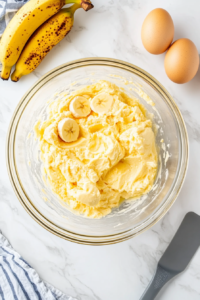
column 19, row 281
column 7, row 10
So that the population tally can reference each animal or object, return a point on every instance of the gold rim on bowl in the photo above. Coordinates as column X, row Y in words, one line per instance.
column 17, row 184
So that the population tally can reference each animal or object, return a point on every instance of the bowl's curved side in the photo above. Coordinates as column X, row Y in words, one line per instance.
column 18, row 187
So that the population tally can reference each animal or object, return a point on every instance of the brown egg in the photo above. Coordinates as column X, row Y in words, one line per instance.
column 182, row 61
column 157, row 31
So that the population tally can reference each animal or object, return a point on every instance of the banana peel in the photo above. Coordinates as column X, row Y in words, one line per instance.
column 25, row 22
column 45, row 38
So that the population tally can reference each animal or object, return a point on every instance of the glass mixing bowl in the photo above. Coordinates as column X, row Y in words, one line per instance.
column 24, row 164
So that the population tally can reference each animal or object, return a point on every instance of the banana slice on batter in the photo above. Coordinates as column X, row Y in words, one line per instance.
column 68, row 130
column 80, row 107
column 102, row 103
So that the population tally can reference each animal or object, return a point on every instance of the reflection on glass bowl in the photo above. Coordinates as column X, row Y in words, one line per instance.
column 25, row 166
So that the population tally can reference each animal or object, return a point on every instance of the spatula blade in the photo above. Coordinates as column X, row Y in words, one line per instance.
column 183, row 245
column 177, row 256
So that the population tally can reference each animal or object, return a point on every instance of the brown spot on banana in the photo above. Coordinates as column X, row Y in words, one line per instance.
column 38, row 47
column 43, row 40
column 28, row 18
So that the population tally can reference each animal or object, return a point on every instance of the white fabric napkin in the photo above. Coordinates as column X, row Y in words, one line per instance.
column 19, row 281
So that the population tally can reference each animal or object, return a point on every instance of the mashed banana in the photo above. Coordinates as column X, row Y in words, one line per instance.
column 114, row 158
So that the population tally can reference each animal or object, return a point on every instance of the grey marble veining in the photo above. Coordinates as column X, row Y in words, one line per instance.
column 122, row 271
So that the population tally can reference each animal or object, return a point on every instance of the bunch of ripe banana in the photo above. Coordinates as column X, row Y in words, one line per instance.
column 35, row 29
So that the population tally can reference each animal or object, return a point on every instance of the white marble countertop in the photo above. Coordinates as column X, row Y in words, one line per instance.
column 121, row 271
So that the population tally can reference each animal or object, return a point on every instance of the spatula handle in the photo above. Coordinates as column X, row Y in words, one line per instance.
column 160, row 279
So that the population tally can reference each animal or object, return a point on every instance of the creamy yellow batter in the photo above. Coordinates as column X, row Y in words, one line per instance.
column 114, row 158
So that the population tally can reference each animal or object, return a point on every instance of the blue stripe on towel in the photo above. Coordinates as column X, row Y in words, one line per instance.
column 33, row 285
column 19, row 282
column 2, row 294
column 10, row 283
column 18, row 279
column 2, row 25
column 6, row 6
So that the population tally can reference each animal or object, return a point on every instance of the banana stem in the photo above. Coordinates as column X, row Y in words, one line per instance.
column 74, row 7
column 71, row 1
column 86, row 5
